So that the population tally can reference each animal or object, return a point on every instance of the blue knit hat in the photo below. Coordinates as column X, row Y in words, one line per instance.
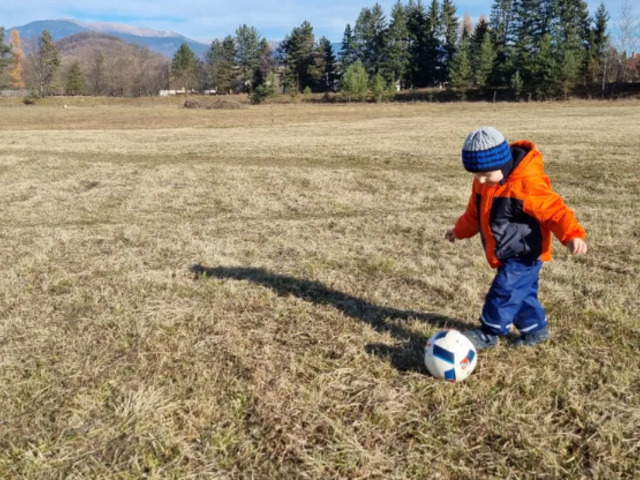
column 485, row 150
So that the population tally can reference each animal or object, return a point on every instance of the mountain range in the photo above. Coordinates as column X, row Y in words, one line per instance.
column 162, row 42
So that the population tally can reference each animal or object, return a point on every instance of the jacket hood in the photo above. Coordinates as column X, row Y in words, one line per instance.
column 531, row 164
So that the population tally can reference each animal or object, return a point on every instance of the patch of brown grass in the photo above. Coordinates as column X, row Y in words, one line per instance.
column 298, row 355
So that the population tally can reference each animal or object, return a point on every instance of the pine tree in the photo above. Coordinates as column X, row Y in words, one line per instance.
column 503, row 37
column 435, row 71
column 598, row 49
column 5, row 52
column 329, row 69
column 355, row 81
column 449, row 26
column 477, row 37
column 301, row 57
column 532, row 19
column 425, row 48
column 183, row 66
column 461, row 74
column 248, row 50
column 46, row 62
column 17, row 61
column 348, row 50
column 397, row 46
column 369, row 38
column 543, row 81
column 220, row 60
column 484, row 61
column 600, row 38
column 265, row 66
column 75, row 80
column 516, row 84
column 417, row 43
column 377, row 87
column 570, row 34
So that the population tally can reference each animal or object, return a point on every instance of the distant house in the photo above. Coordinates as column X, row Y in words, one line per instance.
column 13, row 93
column 168, row 93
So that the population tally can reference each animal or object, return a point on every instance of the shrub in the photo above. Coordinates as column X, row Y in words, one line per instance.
column 31, row 99
column 355, row 81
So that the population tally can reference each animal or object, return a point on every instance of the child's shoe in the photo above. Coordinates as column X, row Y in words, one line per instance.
column 481, row 339
column 526, row 339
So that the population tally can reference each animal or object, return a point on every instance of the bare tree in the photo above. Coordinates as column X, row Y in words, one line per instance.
column 627, row 37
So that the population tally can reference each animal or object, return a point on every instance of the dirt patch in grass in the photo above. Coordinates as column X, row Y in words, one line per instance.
column 220, row 104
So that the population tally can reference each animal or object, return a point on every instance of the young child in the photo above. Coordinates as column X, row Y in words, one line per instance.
column 515, row 210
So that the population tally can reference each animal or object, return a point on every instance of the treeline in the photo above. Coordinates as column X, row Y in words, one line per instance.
column 534, row 49
column 83, row 64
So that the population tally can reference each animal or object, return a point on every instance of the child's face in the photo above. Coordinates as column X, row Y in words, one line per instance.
column 490, row 178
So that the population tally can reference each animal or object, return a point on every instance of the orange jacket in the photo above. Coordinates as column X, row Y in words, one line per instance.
column 515, row 219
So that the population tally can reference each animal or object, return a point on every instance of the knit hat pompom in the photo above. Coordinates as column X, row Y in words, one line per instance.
column 485, row 150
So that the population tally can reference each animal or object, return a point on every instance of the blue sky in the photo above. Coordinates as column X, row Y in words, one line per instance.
column 207, row 19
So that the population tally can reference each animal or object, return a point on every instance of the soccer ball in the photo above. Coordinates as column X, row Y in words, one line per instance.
column 450, row 355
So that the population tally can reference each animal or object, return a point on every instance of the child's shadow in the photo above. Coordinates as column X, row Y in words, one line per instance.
column 405, row 357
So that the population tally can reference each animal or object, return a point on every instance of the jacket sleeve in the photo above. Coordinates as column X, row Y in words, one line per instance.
column 542, row 203
column 468, row 224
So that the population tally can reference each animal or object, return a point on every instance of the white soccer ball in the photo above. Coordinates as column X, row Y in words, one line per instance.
column 450, row 355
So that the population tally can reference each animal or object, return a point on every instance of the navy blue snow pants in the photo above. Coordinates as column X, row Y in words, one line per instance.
column 513, row 299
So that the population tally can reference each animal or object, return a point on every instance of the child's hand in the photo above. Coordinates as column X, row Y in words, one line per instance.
column 577, row 246
column 450, row 235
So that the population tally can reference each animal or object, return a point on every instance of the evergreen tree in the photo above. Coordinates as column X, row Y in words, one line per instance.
column 542, row 83
column 328, row 69
column 377, row 87
column 417, row 39
column 477, row 37
column 516, row 84
column 247, row 42
column 348, row 50
column 484, row 61
column 397, row 46
column 424, row 44
column 301, row 57
column 449, row 27
column 46, row 62
column 600, row 37
column 461, row 74
column 220, row 60
column 598, row 49
column 265, row 64
column 532, row 19
column 435, row 71
column 503, row 36
column 369, row 37
column 5, row 52
column 75, row 80
column 183, row 67
column 355, row 81
column 17, row 61
column 570, row 34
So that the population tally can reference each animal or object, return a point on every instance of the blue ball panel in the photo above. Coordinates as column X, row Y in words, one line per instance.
column 444, row 355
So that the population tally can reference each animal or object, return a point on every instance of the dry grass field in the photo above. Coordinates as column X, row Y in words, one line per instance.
column 297, row 355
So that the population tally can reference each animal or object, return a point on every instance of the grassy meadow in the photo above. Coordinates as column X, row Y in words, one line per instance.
column 297, row 354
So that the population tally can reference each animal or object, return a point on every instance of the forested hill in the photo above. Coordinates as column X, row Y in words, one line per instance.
column 164, row 43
